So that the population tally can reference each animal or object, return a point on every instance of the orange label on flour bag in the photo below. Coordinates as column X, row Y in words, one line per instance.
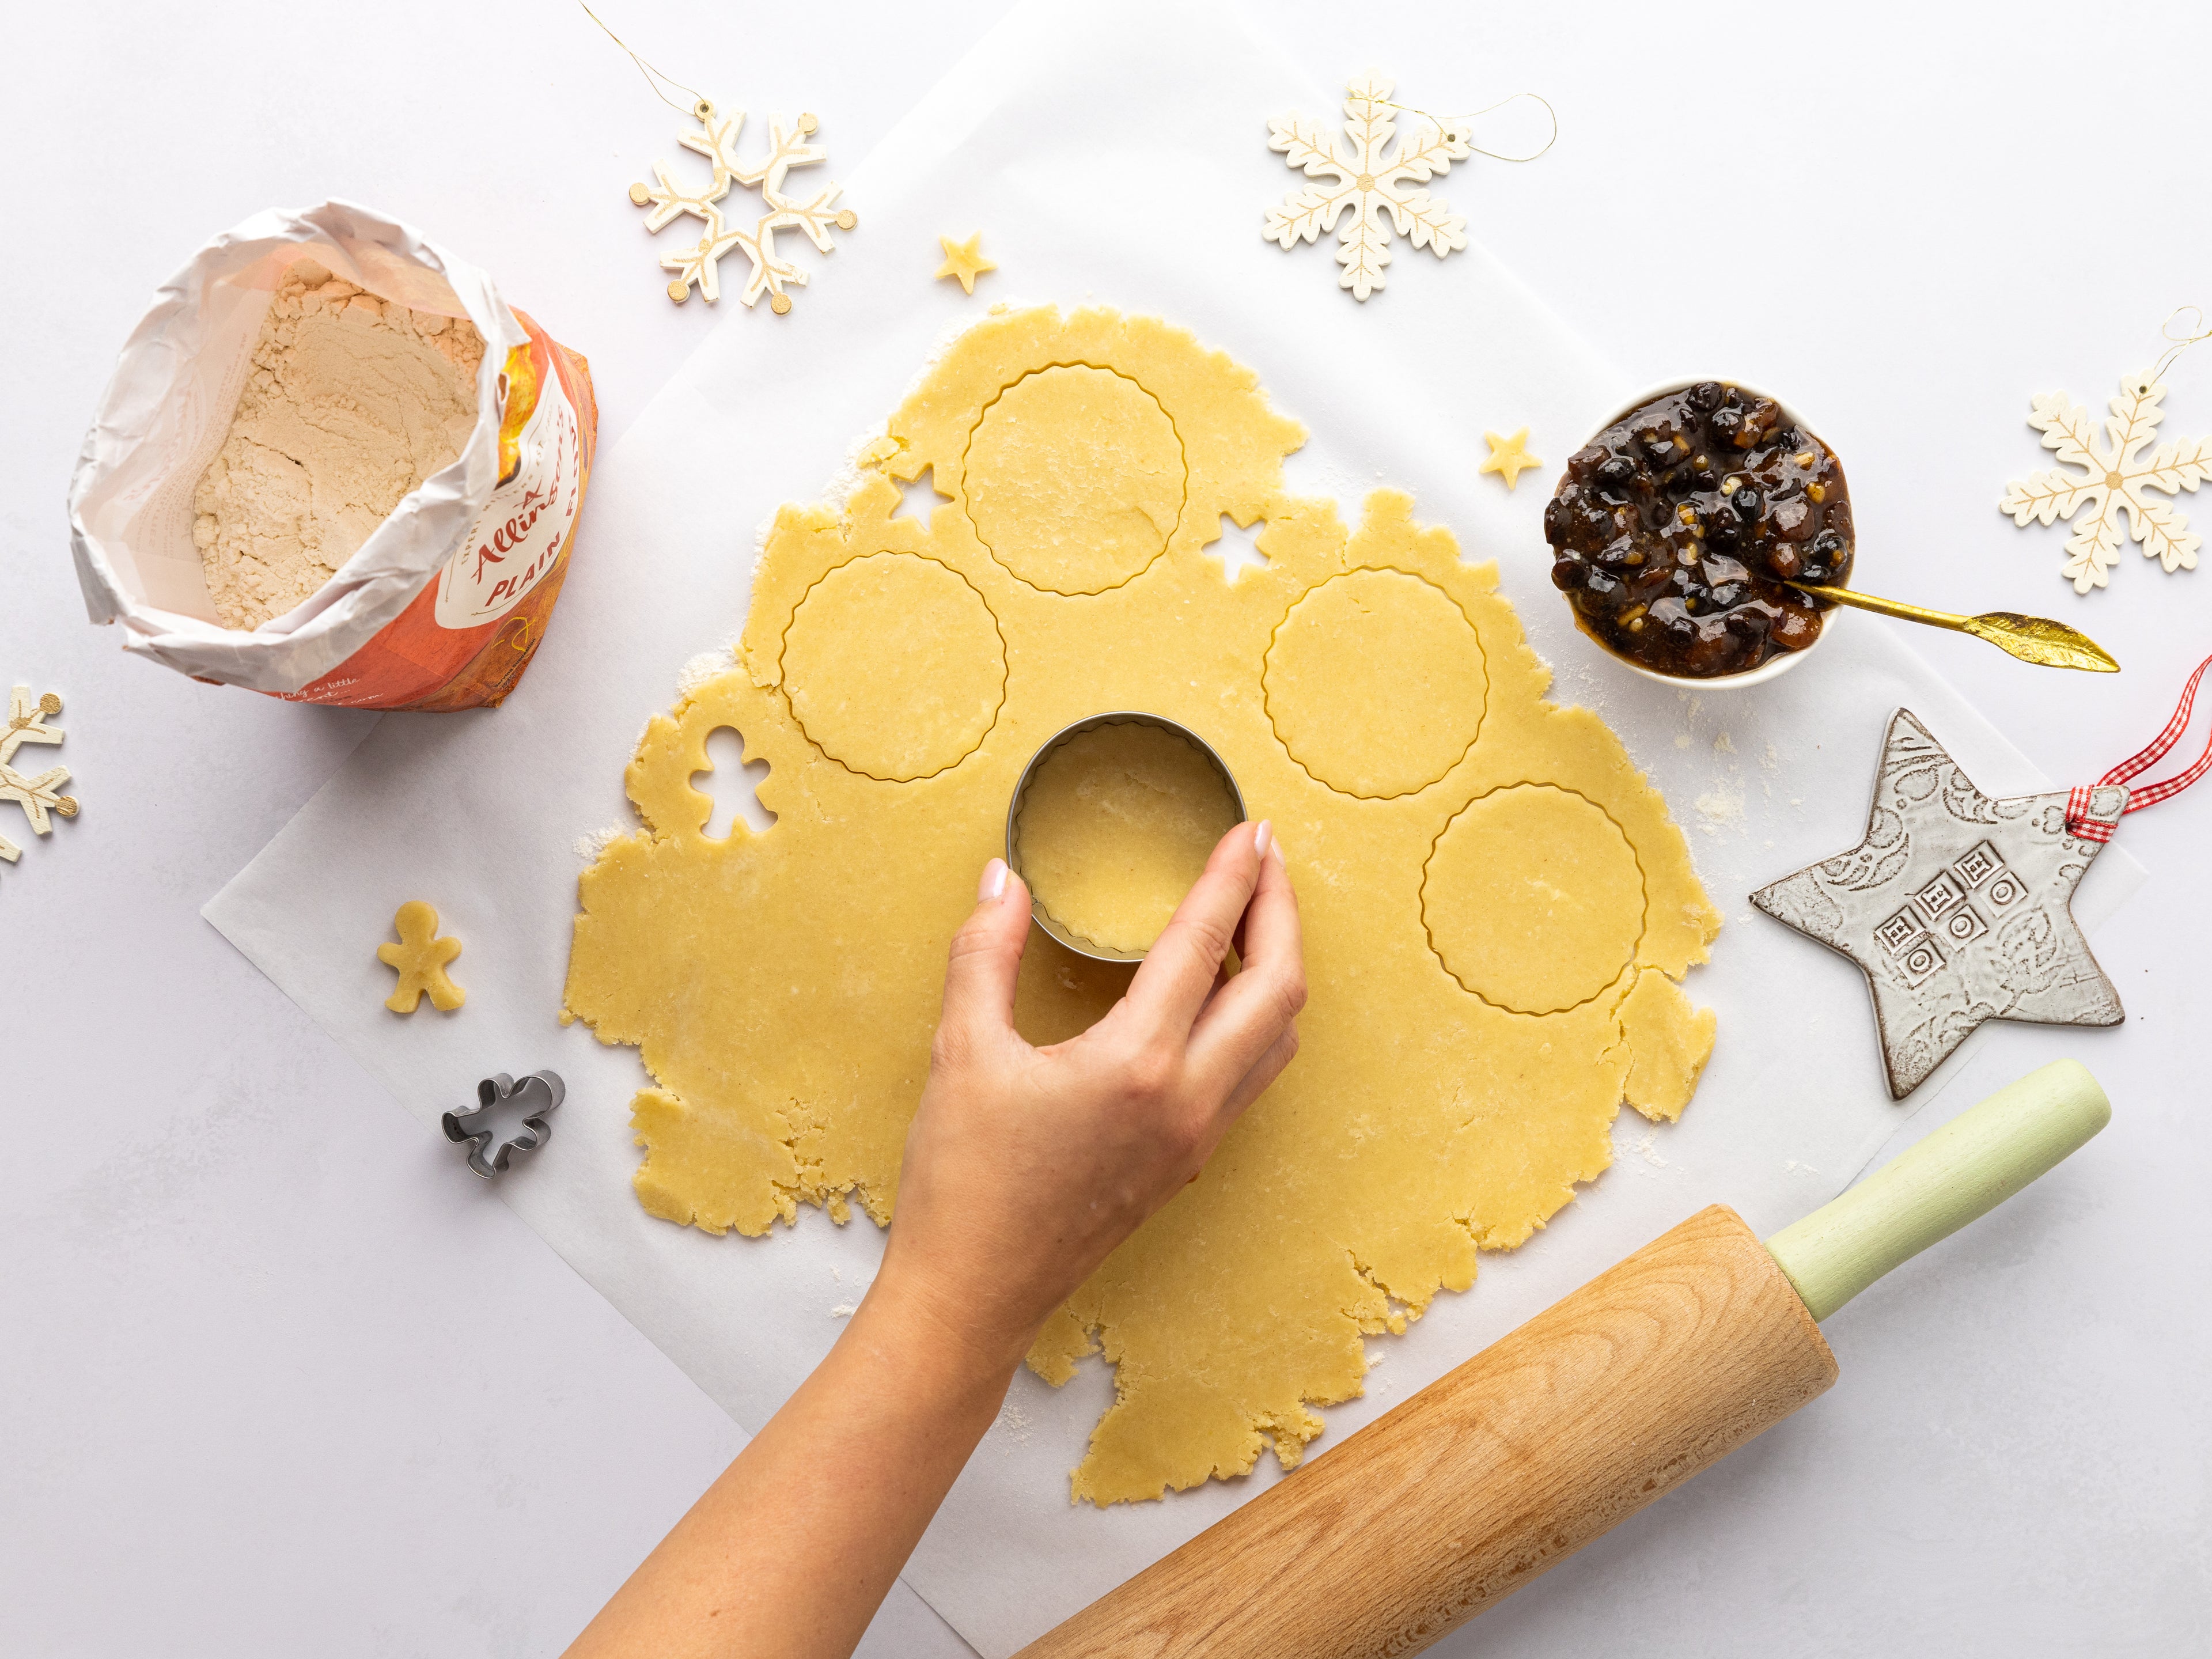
column 464, row 640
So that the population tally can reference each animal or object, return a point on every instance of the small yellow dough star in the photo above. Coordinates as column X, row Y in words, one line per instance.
column 965, row 260
column 1509, row 456
column 421, row 957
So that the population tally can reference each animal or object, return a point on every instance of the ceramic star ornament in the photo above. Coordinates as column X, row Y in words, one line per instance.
column 965, row 260
column 1509, row 456
column 1956, row 906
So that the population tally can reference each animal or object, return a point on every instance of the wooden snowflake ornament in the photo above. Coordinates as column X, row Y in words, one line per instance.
column 26, row 721
column 717, row 140
column 37, row 796
column 1369, row 179
column 2113, row 474
column 40, row 793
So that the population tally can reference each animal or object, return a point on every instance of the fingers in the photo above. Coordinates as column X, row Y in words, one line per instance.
column 986, row 960
column 1255, row 1081
column 1178, row 971
column 1248, row 1016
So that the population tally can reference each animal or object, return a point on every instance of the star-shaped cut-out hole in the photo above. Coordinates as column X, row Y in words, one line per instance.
column 917, row 497
column 1237, row 549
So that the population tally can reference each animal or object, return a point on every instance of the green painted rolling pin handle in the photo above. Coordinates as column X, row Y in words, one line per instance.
column 1960, row 1172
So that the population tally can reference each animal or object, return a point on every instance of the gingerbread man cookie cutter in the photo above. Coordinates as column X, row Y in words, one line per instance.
column 542, row 1090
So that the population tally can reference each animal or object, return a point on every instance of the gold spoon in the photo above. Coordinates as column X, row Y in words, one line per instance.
column 2032, row 639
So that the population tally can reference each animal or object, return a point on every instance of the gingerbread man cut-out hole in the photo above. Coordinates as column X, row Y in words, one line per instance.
column 421, row 957
column 733, row 783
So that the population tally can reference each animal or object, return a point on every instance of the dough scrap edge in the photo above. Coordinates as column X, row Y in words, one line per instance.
column 1682, row 1035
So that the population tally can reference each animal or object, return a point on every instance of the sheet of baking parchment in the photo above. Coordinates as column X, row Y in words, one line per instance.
column 1124, row 161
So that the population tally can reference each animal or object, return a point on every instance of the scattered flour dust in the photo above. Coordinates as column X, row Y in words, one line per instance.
column 588, row 847
column 1013, row 1422
column 1371, row 1383
column 706, row 665
column 1721, row 807
column 1650, row 1159
column 353, row 402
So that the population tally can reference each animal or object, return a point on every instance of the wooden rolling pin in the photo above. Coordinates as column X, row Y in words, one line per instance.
column 1608, row 1398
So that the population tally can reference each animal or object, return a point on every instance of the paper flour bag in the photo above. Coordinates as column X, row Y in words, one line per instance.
column 336, row 466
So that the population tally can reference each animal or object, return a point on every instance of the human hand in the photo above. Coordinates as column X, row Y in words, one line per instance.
column 1024, row 1167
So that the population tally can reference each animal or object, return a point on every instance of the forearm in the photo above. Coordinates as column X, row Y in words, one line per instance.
column 1025, row 1168
column 790, row 1550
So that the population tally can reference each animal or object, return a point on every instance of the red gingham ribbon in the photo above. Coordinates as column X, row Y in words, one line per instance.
column 2078, row 821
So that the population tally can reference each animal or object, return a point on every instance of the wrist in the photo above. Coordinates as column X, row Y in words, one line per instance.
column 925, row 1314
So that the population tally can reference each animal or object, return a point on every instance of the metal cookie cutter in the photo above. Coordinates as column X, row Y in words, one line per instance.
column 1074, row 941
column 541, row 1090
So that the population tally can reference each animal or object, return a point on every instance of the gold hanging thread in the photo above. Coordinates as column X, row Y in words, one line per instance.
column 1445, row 121
column 2181, row 342
column 654, row 77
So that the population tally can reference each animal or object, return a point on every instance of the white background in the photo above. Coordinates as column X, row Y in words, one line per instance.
column 281, row 1376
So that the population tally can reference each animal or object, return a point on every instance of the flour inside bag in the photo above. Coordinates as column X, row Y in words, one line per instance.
column 336, row 466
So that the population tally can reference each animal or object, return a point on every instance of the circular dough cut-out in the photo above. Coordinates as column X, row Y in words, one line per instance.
column 894, row 666
column 1074, row 478
column 1533, row 899
column 1375, row 684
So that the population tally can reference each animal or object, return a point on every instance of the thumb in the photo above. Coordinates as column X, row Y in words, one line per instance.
column 986, row 958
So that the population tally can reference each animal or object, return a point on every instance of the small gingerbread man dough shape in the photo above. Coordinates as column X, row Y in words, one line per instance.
column 421, row 957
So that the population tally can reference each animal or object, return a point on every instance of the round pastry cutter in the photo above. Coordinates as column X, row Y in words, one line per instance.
column 1065, row 935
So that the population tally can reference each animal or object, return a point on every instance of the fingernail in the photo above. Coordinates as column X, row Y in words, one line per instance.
column 993, row 881
column 1262, row 836
column 1276, row 848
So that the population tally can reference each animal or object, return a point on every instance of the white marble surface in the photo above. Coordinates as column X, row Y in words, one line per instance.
column 281, row 1376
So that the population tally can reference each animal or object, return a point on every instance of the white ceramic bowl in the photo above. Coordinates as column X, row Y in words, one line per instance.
column 1774, row 666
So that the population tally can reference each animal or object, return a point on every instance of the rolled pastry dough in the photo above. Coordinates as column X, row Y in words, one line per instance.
column 1497, row 906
